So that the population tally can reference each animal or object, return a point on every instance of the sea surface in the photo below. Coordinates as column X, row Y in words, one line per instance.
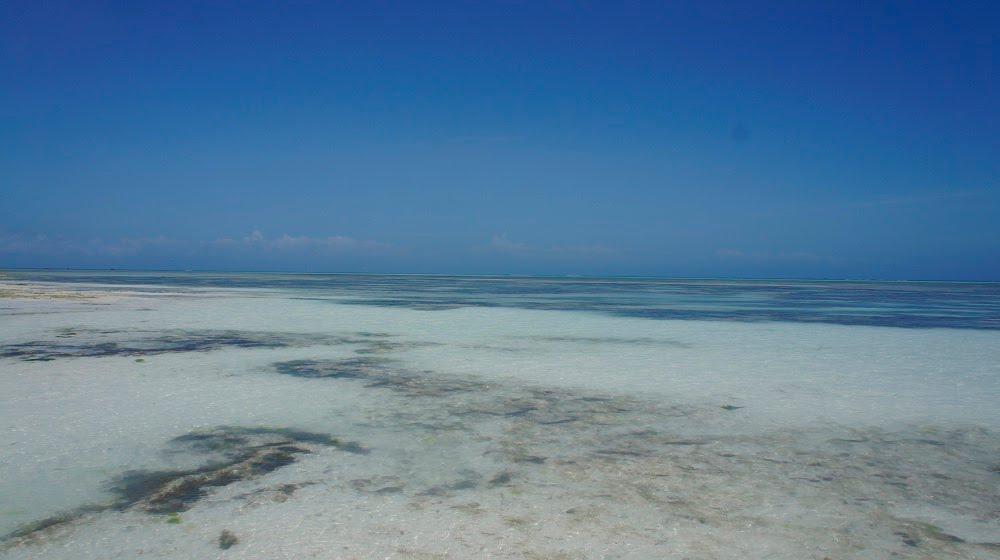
column 265, row 415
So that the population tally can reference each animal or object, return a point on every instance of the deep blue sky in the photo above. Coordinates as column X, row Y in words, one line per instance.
column 846, row 140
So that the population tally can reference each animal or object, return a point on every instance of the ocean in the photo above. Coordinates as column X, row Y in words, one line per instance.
column 272, row 415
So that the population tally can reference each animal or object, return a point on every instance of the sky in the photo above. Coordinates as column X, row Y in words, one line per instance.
column 682, row 139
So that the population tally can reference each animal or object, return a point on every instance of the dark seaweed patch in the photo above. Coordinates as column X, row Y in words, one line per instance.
column 624, row 452
column 907, row 539
column 246, row 452
column 471, row 400
column 378, row 373
column 241, row 454
column 388, row 347
column 358, row 368
column 165, row 492
column 502, row 478
column 421, row 304
column 227, row 539
column 288, row 433
column 470, row 481
column 351, row 447
column 162, row 342
column 378, row 485
column 36, row 527
column 205, row 442
column 608, row 340
column 152, row 345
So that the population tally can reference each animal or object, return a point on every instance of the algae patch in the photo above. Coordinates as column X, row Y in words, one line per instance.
column 231, row 455
column 227, row 539
column 87, row 343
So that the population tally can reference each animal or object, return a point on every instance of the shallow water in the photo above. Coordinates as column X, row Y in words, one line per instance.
column 357, row 416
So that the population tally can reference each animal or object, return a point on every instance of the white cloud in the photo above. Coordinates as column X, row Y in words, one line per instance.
column 330, row 244
column 135, row 245
column 502, row 242
column 24, row 243
column 55, row 245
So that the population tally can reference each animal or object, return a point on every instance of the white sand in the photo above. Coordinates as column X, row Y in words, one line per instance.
column 572, row 435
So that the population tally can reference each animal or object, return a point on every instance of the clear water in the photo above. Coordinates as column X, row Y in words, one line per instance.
column 888, row 304
column 361, row 416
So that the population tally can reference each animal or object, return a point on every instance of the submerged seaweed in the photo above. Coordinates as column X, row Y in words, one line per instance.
column 28, row 530
column 227, row 539
column 646, row 453
column 608, row 340
column 378, row 373
column 246, row 453
column 238, row 454
column 139, row 343
column 356, row 368
column 173, row 491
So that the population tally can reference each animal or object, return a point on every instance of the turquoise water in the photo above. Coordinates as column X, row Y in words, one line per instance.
column 890, row 304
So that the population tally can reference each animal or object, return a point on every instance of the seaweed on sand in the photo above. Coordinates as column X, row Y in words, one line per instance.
column 238, row 454
column 94, row 344
column 174, row 491
column 227, row 539
column 379, row 373
column 356, row 368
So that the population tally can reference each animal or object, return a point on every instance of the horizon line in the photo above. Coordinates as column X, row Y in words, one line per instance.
column 502, row 275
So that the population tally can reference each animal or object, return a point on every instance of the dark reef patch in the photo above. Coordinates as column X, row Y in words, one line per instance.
column 356, row 368
column 29, row 530
column 387, row 347
column 378, row 485
column 227, row 539
column 236, row 454
column 378, row 373
column 174, row 491
column 84, row 343
column 233, row 454
column 608, row 340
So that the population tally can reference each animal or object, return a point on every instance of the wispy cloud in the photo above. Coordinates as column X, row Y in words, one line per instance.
column 43, row 244
column 502, row 242
column 729, row 253
column 330, row 244
column 57, row 245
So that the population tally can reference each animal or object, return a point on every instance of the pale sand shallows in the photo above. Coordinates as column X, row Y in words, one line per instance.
column 151, row 422
column 29, row 291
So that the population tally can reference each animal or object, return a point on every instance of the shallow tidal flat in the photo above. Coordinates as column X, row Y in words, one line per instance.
column 179, row 421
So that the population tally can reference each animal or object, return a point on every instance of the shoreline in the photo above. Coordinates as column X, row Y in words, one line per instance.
column 449, row 459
